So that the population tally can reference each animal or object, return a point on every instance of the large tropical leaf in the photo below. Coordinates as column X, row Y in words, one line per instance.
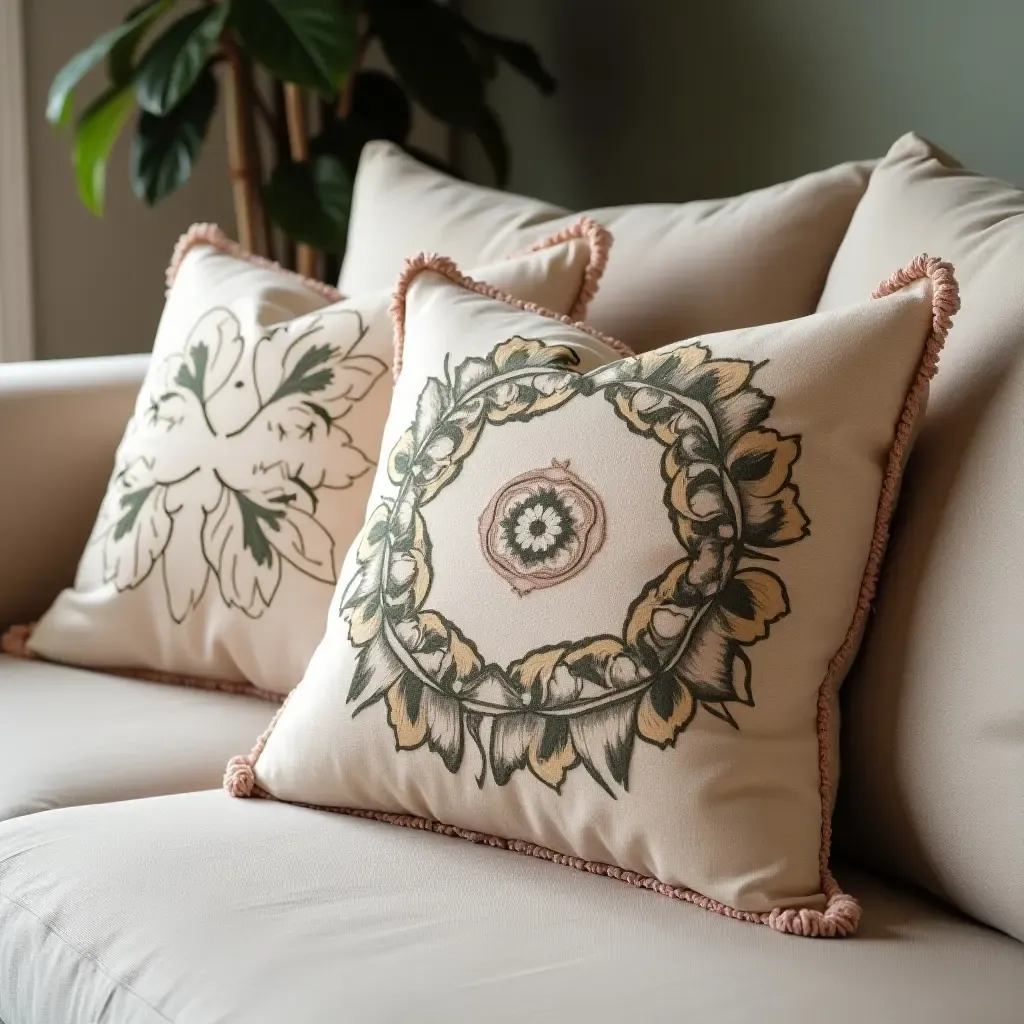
column 121, row 59
column 310, row 201
column 308, row 42
column 425, row 45
column 491, row 136
column 58, row 103
column 98, row 130
column 174, row 62
column 521, row 56
column 165, row 149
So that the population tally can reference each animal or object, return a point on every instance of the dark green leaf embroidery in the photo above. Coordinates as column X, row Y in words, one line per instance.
column 132, row 503
column 172, row 473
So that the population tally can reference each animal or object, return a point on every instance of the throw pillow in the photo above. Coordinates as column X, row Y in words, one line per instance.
column 677, row 270
column 935, row 740
column 244, row 474
column 600, row 606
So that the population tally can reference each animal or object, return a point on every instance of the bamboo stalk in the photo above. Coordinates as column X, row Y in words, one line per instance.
column 238, row 168
column 254, row 159
column 298, row 142
column 284, row 242
column 344, row 107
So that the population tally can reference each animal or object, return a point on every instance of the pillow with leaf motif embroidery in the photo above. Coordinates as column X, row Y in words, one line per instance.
column 244, row 474
column 600, row 606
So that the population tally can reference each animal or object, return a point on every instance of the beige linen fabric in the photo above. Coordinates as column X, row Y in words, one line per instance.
column 197, row 909
column 69, row 737
column 60, row 424
column 934, row 755
column 244, row 473
column 676, row 270
column 596, row 598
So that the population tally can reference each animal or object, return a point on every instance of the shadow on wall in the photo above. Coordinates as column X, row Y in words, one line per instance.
column 670, row 100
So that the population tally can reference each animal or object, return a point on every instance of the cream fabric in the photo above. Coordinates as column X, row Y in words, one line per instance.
column 665, row 719
column 60, row 423
column 243, row 475
column 935, row 758
column 675, row 271
column 202, row 910
column 72, row 737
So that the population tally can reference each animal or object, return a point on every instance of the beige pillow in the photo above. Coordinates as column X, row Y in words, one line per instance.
column 600, row 606
column 935, row 757
column 244, row 474
column 676, row 270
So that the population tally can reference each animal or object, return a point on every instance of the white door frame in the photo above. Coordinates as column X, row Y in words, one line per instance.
column 16, row 328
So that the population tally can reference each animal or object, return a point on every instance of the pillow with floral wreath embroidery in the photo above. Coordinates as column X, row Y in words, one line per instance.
column 244, row 474
column 600, row 606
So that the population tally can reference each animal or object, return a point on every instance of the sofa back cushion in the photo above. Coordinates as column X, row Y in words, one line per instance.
column 934, row 717
column 675, row 271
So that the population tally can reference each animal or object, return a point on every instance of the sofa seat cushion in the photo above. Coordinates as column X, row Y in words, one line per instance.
column 198, row 909
column 70, row 737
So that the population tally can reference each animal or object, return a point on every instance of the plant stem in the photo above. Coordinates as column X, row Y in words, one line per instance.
column 344, row 107
column 250, row 96
column 238, row 166
column 298, row 142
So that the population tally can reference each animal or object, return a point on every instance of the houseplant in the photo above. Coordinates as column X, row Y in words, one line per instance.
column 299, row 103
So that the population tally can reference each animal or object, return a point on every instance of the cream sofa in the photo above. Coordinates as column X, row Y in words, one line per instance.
column 133, row 890
column 187, row 906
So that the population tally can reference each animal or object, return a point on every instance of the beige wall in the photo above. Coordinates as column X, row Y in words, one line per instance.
column 99, row 283
column 674, row 99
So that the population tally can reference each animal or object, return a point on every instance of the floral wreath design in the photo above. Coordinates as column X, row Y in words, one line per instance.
column 222, row 464
column 730, row 499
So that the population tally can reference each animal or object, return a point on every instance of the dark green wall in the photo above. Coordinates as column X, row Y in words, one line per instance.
column 675, row 99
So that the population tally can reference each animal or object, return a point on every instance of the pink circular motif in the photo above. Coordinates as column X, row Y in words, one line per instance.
column 542, row 528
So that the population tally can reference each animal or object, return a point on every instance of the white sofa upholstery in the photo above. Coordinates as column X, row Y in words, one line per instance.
column 70, row 737
column 200, row 909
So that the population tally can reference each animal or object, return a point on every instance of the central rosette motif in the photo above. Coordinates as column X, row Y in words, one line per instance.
column 542, row 528
column 726, row 486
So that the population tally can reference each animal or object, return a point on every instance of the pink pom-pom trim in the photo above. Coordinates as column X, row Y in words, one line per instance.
column 598, row 238
column 211, row 235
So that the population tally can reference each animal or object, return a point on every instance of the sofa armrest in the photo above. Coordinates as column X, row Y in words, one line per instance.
column 60, row 424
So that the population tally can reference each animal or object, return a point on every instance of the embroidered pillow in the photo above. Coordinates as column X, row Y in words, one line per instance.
column 677, row 269
column 244, row 474
column 600, row 606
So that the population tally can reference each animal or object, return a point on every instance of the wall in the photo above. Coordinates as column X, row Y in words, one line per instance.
column 677, row 99
column 99, row 282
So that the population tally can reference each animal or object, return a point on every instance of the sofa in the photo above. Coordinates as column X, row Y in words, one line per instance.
column 133, row 889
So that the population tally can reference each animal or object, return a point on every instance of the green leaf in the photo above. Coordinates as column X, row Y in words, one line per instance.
column 121, row 59
column 519, row 55
column 174, row 62
column 492, row 138
column 424, row 43
column 380, row 107
column 194, row 377
column 132, row 503
column 310, row 201
column 165, row 149
column 309, row 374
column 255, row 518
column 308, row 42
column 58, row 103
column 98, row 130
